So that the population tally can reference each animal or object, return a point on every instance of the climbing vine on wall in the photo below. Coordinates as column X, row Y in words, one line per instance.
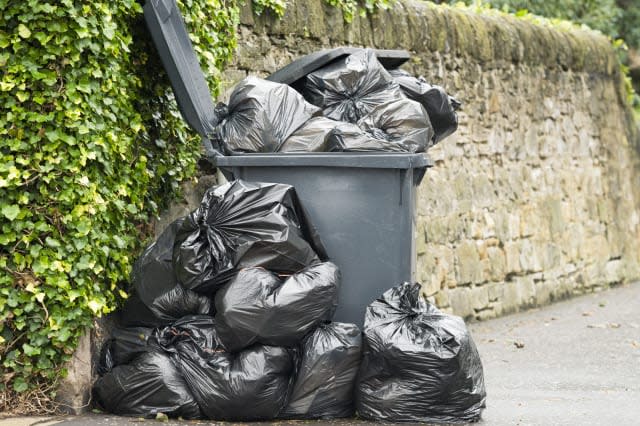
column 92, row 144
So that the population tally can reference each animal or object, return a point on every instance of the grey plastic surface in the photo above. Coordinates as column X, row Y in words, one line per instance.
column 172, row 41
column 363, row 207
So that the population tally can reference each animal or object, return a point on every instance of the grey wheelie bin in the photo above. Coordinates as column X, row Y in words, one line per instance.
column 362, row 204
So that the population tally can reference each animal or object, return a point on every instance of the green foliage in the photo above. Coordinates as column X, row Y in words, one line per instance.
column 276, row 6
column 349, row 8
column 601, row 15
column 629, row 22
column 92, row 144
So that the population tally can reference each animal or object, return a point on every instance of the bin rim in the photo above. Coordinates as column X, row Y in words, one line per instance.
column 372, row 160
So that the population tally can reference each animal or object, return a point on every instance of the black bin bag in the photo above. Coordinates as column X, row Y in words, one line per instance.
column 327, row 369
column 123, row 346
column 243, row 224
column 419, row 364
column 157, row 288
column 259, row 306
column 261, row 115
column 249, row 385
column 440, row 106
column 402, row 125
column 322, row 134
column 351, row 87
column 148, row 385
column 316, row 135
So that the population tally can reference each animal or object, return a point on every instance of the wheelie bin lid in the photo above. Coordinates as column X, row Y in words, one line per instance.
column 179, row 59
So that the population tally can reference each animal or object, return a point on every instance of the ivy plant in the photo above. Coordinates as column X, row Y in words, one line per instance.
column 92, row 145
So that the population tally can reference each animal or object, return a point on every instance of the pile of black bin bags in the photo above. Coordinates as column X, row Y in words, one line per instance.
column 350, row 105
column 231, row 320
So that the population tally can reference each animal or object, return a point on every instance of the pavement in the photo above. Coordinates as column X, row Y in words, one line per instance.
column 575, row 362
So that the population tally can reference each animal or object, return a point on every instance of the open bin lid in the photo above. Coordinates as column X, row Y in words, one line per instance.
column 179, row 59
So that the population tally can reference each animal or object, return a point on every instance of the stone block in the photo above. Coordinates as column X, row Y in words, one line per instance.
column 530, row 222
column 480, row 298
column 73, row 393
column 512, row 257
column 552, row 208
column 613, row 271
column 497, row 264
column 530, row 257
column 461, row 302
column 436, row 230
column 442, row 299
column 526, row 291
column 468, row 265
column 595, row 249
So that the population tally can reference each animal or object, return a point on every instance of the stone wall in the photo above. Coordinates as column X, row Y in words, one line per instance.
column 536, row 197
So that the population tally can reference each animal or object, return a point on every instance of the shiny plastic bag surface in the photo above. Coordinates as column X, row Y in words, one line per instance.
column 419, row 364
column 399, row 125
column 253, row 384
column 243, row 224
column 156, row 286
column 351, row 87
column 440, row 106
column 123, row 346
column 147, row 386
column 259, row 306
column 316, row 135
column 250, row 385
column 327, row 369
column 261, row 116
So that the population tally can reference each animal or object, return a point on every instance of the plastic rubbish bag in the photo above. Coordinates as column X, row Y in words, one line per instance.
column 156, row 285
column 250, row 385
column 244, row 224
column 198, row 330
column 135, row 313
column 419, row 364
column 322, row 134
column 402, row 124
column 329, row 362
column 148, row 385
column 351, row 87
column 123, row 346
column 440, row 106
column 316, row 135
column 261, row 115
column 257, row 306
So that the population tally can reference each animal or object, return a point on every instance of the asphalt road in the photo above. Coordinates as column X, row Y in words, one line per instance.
column 572, row 363
column 579, row 363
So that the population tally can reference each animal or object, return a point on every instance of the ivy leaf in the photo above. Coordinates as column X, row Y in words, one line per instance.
column 19, row 384
column 94, row 305
column 52, row 242
column 30, row 350
column 23, row 31
column 10, row 211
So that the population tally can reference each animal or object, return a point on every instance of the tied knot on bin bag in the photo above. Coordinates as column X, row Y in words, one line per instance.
column 239, row 225
column 419, row 364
